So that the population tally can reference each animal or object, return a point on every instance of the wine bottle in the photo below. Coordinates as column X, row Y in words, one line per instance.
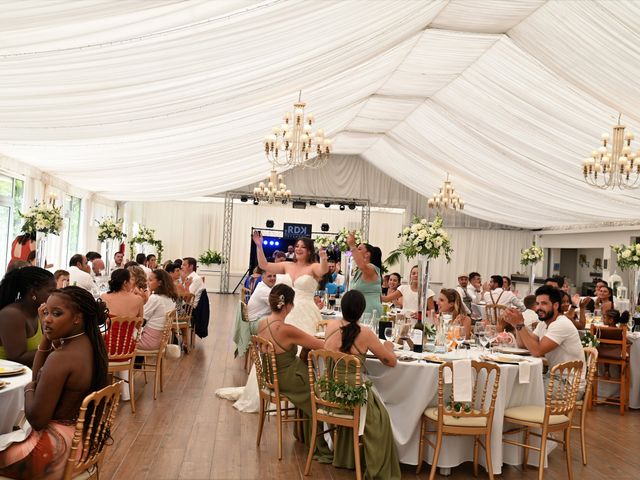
column 417, row 334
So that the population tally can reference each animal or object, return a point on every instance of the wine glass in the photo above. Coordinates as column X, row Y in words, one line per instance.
column 491, row 334
column 458, row 335
column 332, row 302
column 478, row 331
column 389, row 334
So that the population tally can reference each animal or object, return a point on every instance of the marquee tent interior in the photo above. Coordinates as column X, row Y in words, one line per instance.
column 128, row 105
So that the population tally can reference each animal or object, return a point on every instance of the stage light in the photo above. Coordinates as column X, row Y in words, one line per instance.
column 271, row 243
column 277, row 244
column 244, row 198
column 270, row 223
column 324, row 227
column 299, row 204
column 327, row 204
column 352, row 206
column 313, row 203
column 256, row 202
column 264, row 242
column 342, row 207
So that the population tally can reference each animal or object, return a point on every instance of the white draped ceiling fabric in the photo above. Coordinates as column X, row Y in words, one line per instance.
column 162, row 100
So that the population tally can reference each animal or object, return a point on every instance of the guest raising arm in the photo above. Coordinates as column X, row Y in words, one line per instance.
column 304, row 261
column 366, row 277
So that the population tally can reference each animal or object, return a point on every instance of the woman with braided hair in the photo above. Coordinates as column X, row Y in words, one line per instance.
column 22, row 291
column 71, row 362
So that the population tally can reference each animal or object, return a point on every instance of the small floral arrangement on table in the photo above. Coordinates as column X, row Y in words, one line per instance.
column 348, row 396
column 43, row 217
column 146, row 235
column 341, row 239
column 531, row 255
column 211, row 257
column 627, row 256
column 589, row 340
column 423, row 238
column 430, row 330
column 323, row 242
column 110, row 229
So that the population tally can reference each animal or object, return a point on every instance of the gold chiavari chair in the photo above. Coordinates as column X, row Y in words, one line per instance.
column 158, row 366
column 120, row 341
column 494, row 312
column 474, row 419
column 556, row 415
column 92, row 436
column 339, row 368
column 184, row 313
column 264, row 357
column 613, row 350
column 584, row 404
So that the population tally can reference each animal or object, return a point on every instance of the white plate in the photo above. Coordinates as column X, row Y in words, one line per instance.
column 11, row 370
column 319, row 335
column 513, row 350
column 449, row 356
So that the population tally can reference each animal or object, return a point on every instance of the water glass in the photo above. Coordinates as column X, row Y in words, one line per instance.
column 389, row 334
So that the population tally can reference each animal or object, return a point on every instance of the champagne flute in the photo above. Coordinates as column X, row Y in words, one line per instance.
column 458, row 336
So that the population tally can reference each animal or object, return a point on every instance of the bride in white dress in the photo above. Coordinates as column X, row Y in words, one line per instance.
column 302, row 274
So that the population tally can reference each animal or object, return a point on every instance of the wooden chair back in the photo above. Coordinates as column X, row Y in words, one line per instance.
column 614, row 336
column 92, row 436
column 591, row 365
column 245, row 294
column 563, row 388
column 336, row 367
column 170, row 321
column 322, row 325
column 121, row 338
column 264, row 358
column 184, row 308
column 244, row 311
column 485, row 378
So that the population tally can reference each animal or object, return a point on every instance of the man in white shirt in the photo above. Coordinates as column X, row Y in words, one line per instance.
column 474, row 288
column 118, row 260
column 97, row 267
column 463, row 283
column 79, row 273
column 290, row 255
column 556, row 337
column 258, row 305
column 141, row 259
column 496, row 295
column 530, row 316
column 189, row 266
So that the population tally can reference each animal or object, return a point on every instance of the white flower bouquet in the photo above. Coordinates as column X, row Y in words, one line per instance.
column 43, row 217
column 146, row 235
column 627, row 256
column 423, row 238
column 110, row 229
column 323, row 242
column 341, row 239
column 531, row 255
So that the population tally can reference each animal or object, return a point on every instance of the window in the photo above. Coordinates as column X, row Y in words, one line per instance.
column 72, row 208
column 11, row 196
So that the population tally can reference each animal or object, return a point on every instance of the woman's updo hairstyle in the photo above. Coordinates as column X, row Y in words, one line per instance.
column 352, row 305
column 118, row 278
column 280, row 296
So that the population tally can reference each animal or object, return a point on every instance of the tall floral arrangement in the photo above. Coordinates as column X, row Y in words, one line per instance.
column 146, row 235
column 323, row 241
column 531, row 255
column 43, row 217
column 110, row 229
column 423, row 238
column 627, row 257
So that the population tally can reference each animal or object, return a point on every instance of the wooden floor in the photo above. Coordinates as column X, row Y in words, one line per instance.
column 189, row 433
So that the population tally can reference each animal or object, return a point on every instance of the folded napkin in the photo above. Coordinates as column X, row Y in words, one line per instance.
column 462, row 380
column 524, row 371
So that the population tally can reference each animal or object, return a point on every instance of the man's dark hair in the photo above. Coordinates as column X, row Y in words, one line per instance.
column 554, row 294
column 552, row 279
column 559, row 279
column 75, row 260
column 473, row 275
column 91, row 256
column 599, row 280
column 497, row 279
column 191, row 261
column 141, row 258
column 529, row 301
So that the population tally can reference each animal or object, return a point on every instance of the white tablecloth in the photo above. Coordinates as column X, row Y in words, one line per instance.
column 612, row 390
column 409, row 388
column 12, row 397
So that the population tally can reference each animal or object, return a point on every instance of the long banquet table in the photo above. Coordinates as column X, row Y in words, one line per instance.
column 409, row 388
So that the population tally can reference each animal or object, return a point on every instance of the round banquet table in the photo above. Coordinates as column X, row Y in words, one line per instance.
column 12, row 396
column 409, row 388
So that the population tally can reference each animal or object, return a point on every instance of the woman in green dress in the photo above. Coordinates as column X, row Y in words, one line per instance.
column 366, row 277
column 380, row 456
column 293, row 373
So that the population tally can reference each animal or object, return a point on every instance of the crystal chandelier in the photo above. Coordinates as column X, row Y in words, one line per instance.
column 293, row 142
column 273, row 191
column 613, row 164
column 446, row 198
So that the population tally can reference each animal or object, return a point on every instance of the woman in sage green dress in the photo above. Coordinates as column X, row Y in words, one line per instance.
column 293, row 373
column 380, row 456
column 366, row 277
